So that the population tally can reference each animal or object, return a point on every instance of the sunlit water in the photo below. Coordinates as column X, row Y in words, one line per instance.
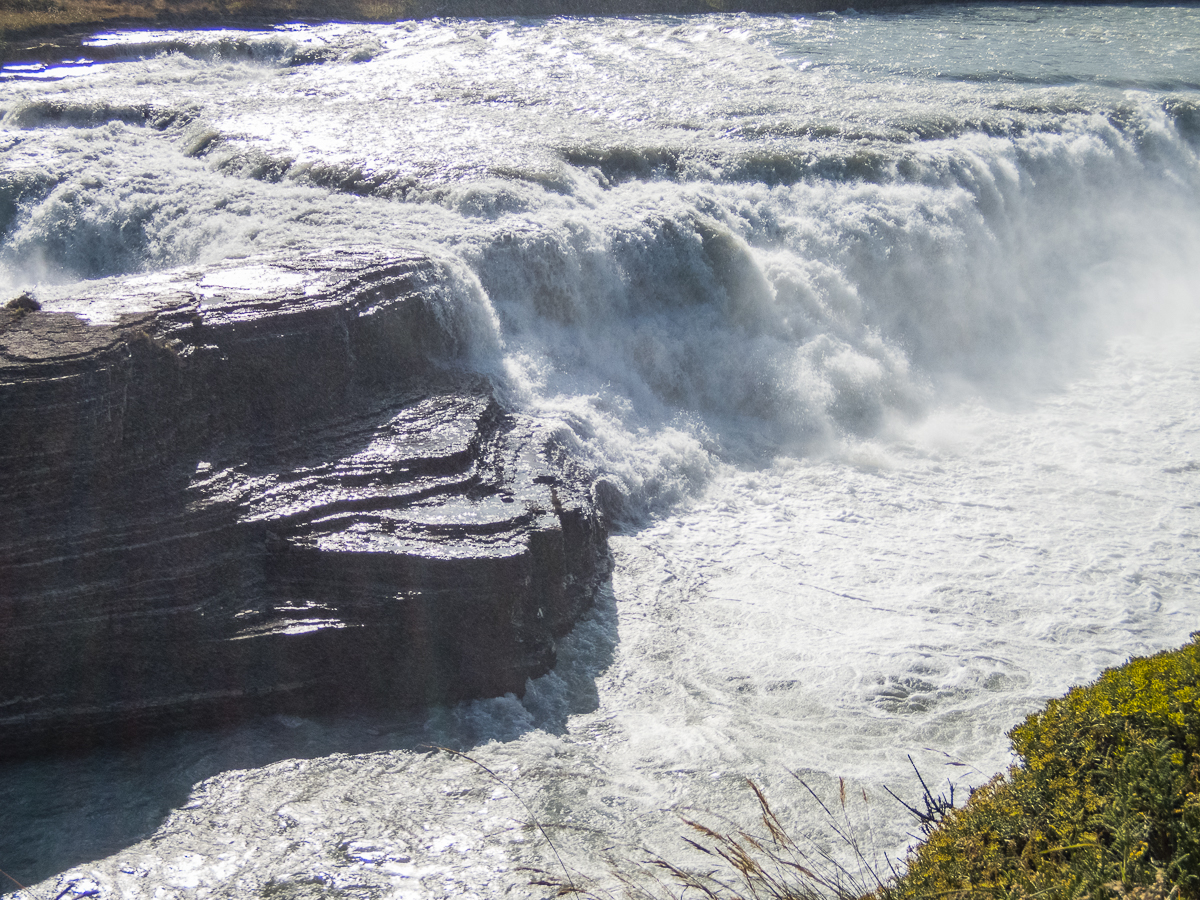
column 882, row 328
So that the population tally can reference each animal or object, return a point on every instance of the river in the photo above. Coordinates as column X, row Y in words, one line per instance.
column 880, row 330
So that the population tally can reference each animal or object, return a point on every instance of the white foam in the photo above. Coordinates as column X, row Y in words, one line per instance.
column 882, row 343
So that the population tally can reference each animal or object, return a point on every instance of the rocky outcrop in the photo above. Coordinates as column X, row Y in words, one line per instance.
column 274, row 486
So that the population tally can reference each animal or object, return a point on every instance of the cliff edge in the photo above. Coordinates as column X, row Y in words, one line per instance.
column 278, row 486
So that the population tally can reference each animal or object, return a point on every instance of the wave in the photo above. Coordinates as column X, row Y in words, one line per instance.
column 1064, row 79
column 67, row 114
column 747, row 320
column 770, row 153
column 279, row 48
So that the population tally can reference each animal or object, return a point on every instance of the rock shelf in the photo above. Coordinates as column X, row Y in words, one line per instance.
column 272, row 486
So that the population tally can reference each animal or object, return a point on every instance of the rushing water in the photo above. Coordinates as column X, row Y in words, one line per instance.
column 882, row 329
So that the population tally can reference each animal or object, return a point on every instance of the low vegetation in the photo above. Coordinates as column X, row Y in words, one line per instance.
column 1103, row 802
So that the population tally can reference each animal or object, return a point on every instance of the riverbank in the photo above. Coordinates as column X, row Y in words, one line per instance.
column 751, row 268
column 45, row 30
column 1102, row 802
column 49, row 30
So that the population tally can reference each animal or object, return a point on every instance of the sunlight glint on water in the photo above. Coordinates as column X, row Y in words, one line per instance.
column 882, row 331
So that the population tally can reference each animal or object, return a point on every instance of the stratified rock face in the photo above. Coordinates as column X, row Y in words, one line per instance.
column 271, row 489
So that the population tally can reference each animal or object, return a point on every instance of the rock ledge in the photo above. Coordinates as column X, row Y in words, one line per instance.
column 277, row 493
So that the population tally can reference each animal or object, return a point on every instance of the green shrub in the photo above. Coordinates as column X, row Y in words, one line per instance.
column 1104, row 800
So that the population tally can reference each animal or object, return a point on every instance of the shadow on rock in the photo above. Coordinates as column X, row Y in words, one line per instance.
column 63, row 811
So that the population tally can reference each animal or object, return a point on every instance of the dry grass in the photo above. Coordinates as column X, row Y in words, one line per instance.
column 766, row 863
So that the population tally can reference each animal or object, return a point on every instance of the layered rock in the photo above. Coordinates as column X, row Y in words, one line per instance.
column 274, row 486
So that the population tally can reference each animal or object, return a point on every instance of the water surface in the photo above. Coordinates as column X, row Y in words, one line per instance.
column 882, row 328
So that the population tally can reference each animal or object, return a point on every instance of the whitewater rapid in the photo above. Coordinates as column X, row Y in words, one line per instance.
column 879, row 333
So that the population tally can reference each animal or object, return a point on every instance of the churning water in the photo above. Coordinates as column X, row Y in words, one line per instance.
column 882, row 331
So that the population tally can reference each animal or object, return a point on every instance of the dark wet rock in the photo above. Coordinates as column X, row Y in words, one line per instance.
column 23, row 303
column 289, row 495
